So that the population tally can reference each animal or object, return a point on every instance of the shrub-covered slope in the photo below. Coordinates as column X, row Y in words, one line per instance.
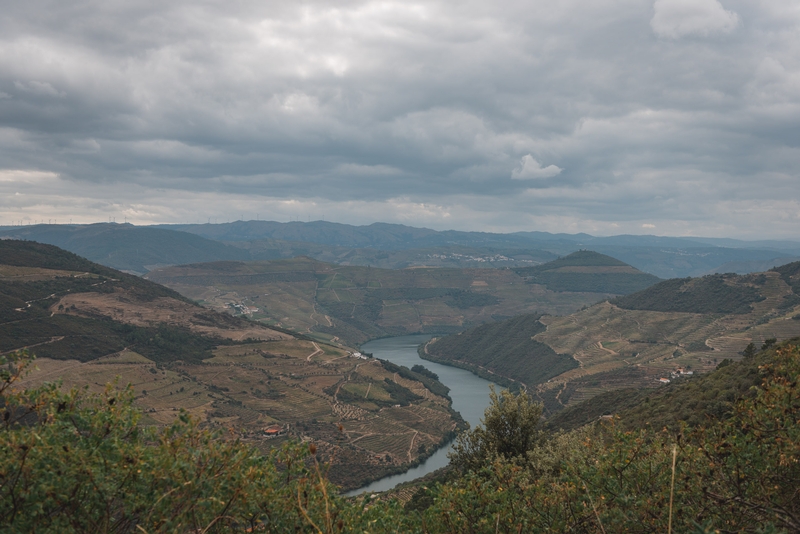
column 506, row 348
column 716, row 293
column 69, row 463
column 692, row 400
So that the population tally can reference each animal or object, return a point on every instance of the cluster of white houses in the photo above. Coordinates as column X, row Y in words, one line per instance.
column 241, row 308
column 680, row 371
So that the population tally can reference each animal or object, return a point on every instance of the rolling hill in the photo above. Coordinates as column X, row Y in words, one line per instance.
column 506, row 349
column 665, row 257
column 588, row 271
column 126, row 247
column 668, row 331
column 355, row 304
column 392, row 246
column 90, row 325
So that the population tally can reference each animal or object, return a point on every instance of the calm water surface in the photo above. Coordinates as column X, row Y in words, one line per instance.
column 470, row 396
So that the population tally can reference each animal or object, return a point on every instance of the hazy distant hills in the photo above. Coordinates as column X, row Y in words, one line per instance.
column 382, row 236
column 126, row 247
column 689, row 324
column 356, row 304
column 392, row 246
column 665, row 257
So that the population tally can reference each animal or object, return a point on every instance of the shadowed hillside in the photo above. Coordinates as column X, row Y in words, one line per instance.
column 507, row 349
column 716, row 293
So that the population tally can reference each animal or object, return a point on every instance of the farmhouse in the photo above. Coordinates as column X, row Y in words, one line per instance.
column 274, row 431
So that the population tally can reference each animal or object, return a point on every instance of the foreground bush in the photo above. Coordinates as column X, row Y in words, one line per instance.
column 73, row 462
column 738, row 475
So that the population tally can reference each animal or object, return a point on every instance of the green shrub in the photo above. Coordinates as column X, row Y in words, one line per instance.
column 74, row 462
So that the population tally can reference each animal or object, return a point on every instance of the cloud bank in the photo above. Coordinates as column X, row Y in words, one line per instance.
column 504, row 116
column 678, row 18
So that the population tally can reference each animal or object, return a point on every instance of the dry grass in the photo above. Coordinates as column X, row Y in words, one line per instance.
column 120, row 306
column 603, row 338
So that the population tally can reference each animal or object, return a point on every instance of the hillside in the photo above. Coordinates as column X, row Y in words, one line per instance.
column 716, row 293
column 676, row 328
column 588, row 271
column 790, row 274
column 691, row 400
column 665, row 257
column 507, row 349
column 127, row 247
column 89, row 326
column 61, row 304
column 392, row 246
column 736, row 471
column 355, row 304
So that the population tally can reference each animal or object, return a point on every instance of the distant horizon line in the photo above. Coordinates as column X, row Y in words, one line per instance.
column 215, row 223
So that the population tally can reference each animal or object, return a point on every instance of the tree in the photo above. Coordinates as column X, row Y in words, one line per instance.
column 510, row 429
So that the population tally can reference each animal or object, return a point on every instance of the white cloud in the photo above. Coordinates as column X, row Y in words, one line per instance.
column 677, row 18
column 530, row 169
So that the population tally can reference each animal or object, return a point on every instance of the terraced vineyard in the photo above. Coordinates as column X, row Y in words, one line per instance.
column 622, row 343
column 355, row 304
column 247, row 388
column 91, row 326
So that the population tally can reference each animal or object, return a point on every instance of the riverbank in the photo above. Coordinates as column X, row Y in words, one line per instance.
column 477, row 370
column 469, row 397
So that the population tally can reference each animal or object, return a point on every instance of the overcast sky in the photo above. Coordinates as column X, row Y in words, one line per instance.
column 668, row 117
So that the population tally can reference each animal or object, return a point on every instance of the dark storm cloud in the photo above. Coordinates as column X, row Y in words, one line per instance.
column 673, row 116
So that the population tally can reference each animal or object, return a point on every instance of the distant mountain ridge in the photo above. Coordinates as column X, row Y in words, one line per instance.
column 140, row 249
column 665, row 257
column 127, row 247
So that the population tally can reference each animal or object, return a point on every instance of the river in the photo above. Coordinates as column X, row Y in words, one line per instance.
column 470, row 396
